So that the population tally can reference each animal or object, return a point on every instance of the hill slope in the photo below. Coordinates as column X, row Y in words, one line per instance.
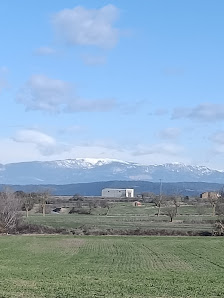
column 95, row 188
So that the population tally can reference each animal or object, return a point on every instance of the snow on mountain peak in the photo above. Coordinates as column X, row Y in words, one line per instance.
column 99, row 161
column 86, row 162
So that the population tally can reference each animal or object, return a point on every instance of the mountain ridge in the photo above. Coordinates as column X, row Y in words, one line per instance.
column 83, row 170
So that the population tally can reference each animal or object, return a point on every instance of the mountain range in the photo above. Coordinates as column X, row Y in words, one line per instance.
column 85, row 170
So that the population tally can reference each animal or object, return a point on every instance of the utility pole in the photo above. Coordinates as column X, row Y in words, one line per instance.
column 160, row 189
column 160, row 197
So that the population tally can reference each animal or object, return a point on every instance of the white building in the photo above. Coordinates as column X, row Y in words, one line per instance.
column 118, row 192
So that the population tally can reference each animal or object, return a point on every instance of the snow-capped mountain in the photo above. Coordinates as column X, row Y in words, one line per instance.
column 93, row 170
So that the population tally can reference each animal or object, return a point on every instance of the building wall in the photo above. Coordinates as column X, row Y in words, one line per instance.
column 117, row 193
column 129, row 193
column 204, row 195
column 210, row 195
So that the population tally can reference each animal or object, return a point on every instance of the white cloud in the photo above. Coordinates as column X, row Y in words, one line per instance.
column 44, row 143
column 97, row 105
column 44, row 51
column 89, row 27
column 219, row 150
column 71, row 129
column 53, row 95
column 169, row 133
column 43, row 93
column 202, row 112
column 34, row 136
column 30, row 144
column 218, row 137
column 11, row 151
column 158, row 149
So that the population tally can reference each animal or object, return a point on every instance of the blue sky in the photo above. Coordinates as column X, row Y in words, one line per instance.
column 133, row 80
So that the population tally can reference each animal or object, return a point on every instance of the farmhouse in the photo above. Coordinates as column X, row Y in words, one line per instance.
column 209, row 195
column 118, row 192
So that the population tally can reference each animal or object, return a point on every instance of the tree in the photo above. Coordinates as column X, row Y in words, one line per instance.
column 176, row 202
column 10, row 205
column 43, row 198
column 213, row 199
column 219, row 228
column 79, row 204
column 76, row 197
column 147, row 196
column 186, row 199
column 92, row 204
column 219, row 209
column 27, row 200
column 158, row 202
column 28, row 203
column 171, row 212
column 105, row 204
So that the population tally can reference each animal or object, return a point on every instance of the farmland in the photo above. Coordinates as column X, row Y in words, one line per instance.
column 67, row 266
column 123, row 216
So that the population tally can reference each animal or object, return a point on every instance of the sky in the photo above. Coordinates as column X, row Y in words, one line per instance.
column 138, row 81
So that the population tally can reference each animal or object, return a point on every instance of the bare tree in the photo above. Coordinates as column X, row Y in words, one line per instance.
column 171, row 212
column 78, row 204
column 103, row 204
column 26, row 199
column 158, row 199
column 106, row 205
column 147, row 196
column 76, row 197
column 219, row 209
column 213, row 200
column 158, row 202
column 218, row 228
column 43, row 198
column 92, row 204
column 28, row 203
column 10, row 205
column 176, row 201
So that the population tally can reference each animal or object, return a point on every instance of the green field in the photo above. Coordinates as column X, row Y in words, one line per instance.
column 67, row 266
column 124, row 216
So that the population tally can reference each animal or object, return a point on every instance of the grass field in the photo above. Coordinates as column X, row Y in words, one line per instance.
column 66, row 266
column 124, row 216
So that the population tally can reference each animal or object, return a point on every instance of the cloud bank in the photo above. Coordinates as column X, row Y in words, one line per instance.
column 43, row 93
column 44, row 143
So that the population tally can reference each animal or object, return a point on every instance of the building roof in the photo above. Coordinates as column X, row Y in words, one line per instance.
column 119, row 188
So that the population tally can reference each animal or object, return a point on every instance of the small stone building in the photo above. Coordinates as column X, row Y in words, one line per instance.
column 209, row 195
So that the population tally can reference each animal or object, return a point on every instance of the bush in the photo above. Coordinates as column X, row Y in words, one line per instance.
column 79, row 211
column 137, row 232
column 25, row 228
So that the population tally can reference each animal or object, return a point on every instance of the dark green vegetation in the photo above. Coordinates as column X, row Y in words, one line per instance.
column 67, row 266
column 124, row 217
column 95, row 188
